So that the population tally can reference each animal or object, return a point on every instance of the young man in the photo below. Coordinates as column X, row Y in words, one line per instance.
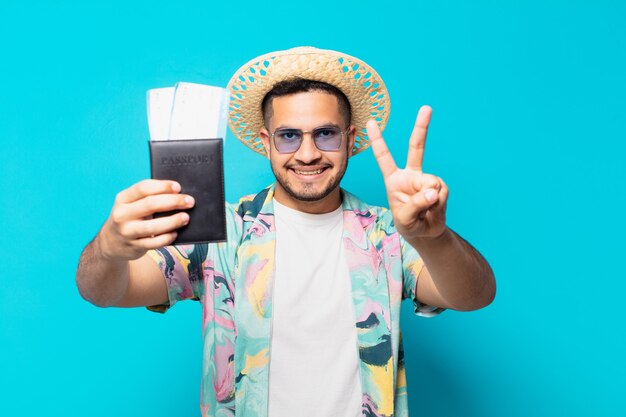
column 301, row 305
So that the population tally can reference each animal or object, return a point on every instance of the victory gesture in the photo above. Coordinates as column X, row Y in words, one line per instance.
column 417, row 200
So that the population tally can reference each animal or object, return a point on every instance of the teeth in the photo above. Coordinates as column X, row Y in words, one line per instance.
column 308, row 172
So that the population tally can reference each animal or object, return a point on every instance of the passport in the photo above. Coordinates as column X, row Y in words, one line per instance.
column 197, row 165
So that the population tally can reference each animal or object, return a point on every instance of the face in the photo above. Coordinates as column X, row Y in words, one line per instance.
column 308, row 179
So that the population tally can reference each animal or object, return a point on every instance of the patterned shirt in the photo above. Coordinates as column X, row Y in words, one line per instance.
column 233, row 280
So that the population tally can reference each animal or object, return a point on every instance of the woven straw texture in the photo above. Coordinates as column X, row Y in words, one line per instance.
column 364, row 88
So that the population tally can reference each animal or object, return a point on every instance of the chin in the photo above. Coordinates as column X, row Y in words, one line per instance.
column 308, row 192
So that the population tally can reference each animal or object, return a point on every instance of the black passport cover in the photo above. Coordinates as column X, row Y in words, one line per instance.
column 196, row 164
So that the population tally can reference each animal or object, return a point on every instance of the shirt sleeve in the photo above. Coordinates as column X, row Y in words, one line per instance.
column 187, row 268
column 182, row 267
column 412, row 265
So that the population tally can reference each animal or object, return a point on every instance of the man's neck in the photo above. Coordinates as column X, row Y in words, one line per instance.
column 324, row 205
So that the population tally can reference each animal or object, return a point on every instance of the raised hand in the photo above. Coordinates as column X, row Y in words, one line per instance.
column 417, row 200
column 131, row 230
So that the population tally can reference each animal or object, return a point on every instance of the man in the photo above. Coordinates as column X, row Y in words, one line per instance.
column 301, row 305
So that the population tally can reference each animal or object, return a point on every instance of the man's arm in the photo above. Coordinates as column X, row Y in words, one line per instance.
column 123, row 283
column 455, row 275
column 114, row 269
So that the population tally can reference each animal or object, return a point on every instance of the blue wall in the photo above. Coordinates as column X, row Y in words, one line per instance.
column 528, row 131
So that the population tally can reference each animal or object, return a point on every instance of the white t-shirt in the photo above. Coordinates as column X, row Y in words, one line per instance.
column 314, row 369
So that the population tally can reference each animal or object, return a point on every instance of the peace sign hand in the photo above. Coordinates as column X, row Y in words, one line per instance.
column 417, row 200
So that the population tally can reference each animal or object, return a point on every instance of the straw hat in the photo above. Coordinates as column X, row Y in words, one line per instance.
column 362, row 85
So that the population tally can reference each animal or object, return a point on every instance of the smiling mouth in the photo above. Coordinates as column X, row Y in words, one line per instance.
column 308, row 172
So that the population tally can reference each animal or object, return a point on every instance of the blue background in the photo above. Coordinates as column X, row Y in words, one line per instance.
column 528, row 131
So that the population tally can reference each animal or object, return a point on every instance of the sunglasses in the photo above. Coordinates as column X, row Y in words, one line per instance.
column 326, row 138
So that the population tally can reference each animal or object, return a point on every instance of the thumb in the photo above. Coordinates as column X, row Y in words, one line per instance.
column 430, row 196
column 420, row 202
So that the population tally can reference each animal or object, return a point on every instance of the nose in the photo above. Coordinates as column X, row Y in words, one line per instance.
column 308, row 152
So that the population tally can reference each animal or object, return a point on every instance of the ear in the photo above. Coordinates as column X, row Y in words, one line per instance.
column 265, row 140
column 351, row 139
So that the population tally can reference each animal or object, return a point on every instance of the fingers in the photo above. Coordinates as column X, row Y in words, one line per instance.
column 423, row 181
column 443, row 193
column 131, row 240
column 156, row 241
column 417, row 142
column 133, row 220
column 131, row 230
column 435, row 192
column 432, row 198
column 381, row 152
column 150, row 205
column 140, row 229
column 145, row 188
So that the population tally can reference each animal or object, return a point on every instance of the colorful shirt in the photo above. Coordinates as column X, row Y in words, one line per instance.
column 233, row 280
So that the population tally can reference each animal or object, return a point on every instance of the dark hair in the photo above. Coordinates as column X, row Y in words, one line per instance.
column 303, row 85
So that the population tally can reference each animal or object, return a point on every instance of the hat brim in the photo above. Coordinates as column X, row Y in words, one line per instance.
column 361, row 84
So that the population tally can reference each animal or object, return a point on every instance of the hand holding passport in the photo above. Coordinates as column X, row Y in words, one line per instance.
column 187, row 126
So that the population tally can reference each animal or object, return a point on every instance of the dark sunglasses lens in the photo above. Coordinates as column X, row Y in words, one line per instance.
column 287, row 140
column 327, row 138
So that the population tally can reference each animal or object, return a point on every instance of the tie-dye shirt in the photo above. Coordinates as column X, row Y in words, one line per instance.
column 233, row 281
